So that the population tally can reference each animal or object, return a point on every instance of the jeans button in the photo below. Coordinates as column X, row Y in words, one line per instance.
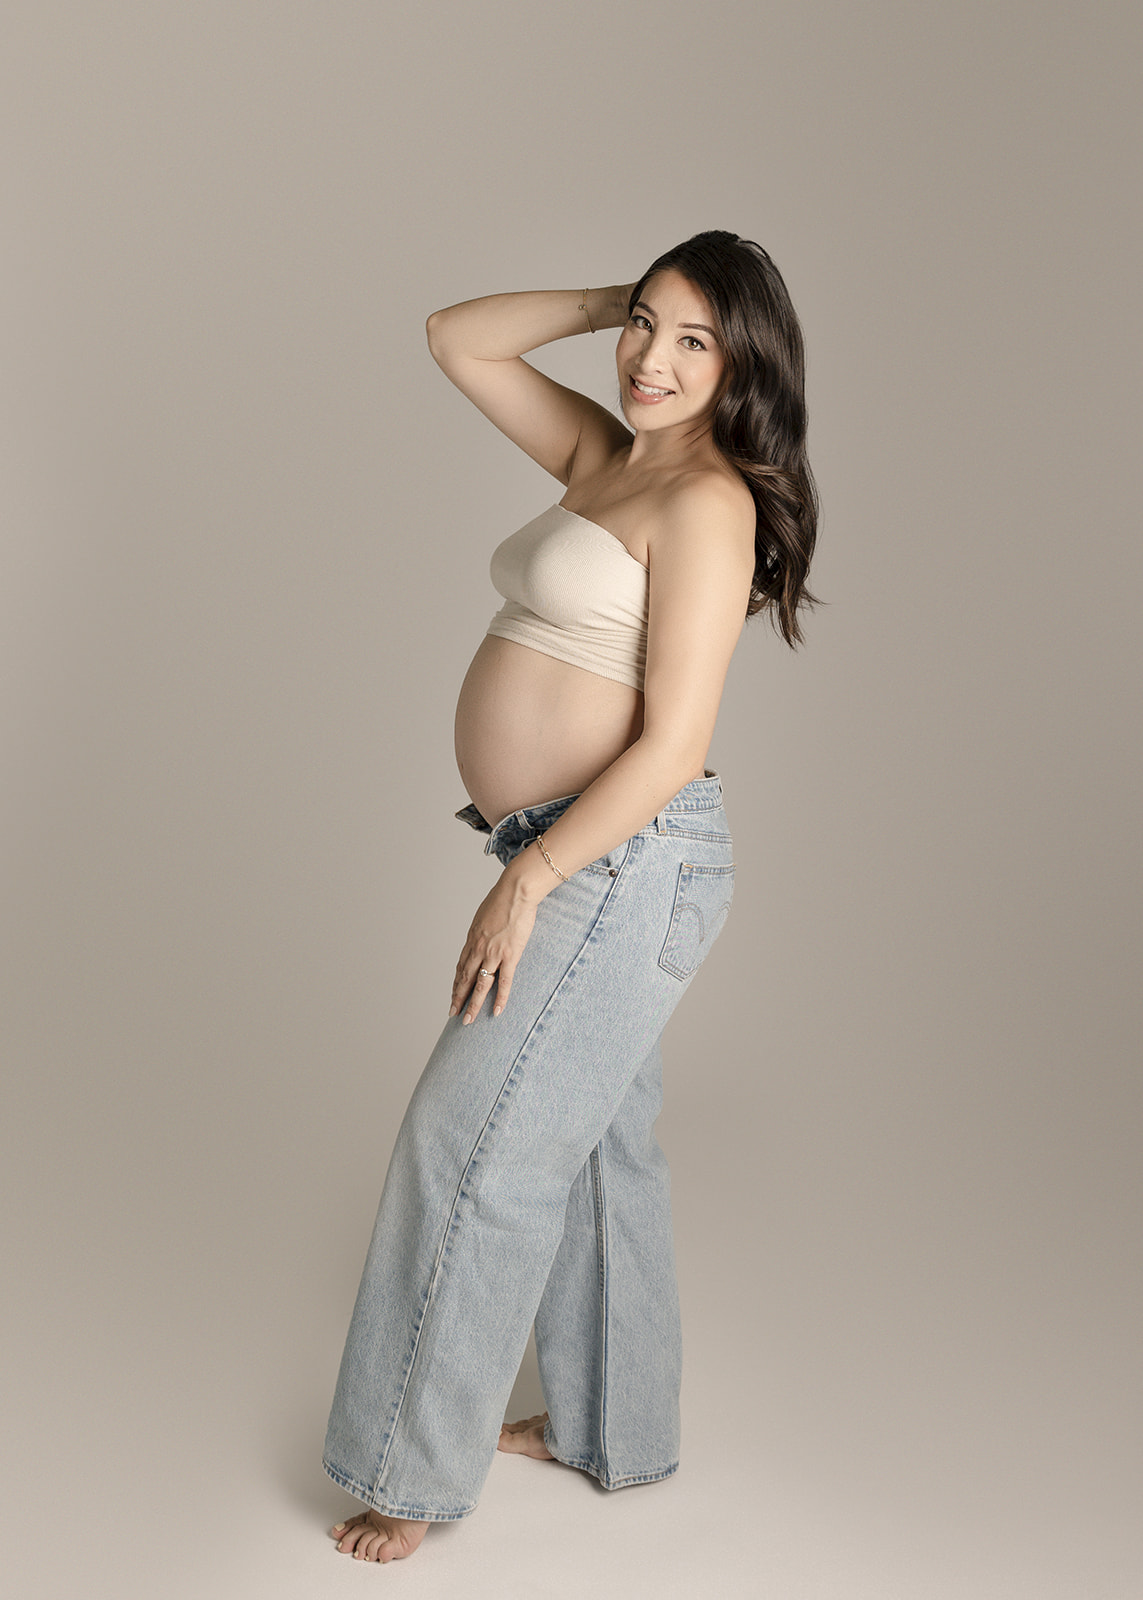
column 613, row 872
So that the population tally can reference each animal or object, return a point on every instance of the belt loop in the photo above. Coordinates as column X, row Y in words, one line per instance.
column 661, row 822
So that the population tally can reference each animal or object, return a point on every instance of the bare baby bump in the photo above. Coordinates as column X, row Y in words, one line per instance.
column 530, row 727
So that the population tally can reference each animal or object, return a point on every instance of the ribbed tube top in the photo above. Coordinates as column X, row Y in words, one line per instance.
column 574, row 591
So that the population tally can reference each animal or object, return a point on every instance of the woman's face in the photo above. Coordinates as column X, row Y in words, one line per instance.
column 669, row 360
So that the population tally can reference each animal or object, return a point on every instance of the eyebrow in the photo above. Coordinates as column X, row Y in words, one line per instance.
column 701, row 326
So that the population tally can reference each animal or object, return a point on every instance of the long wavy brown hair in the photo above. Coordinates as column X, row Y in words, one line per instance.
column 760, row 418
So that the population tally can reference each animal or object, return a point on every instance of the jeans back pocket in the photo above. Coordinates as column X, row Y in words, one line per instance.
column 702, row 902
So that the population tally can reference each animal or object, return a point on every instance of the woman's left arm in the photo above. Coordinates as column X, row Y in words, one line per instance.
column 701, row 568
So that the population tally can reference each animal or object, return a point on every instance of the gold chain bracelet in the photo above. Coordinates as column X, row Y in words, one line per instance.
column 548, row 859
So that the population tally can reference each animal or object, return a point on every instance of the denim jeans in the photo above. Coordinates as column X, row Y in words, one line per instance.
column 526, row 1187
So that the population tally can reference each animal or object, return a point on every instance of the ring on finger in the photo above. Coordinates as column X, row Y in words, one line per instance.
column 485, row 974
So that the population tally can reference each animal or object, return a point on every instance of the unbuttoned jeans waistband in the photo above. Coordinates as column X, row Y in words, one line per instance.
column 700, row 794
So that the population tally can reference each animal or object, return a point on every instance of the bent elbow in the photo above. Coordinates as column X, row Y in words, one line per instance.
column 440, row 330
column 434, row 331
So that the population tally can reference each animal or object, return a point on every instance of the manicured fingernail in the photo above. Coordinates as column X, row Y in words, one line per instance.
column 496, row 1010
column 337, row 1527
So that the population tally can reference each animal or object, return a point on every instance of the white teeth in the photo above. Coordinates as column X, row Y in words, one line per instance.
column 643, row 389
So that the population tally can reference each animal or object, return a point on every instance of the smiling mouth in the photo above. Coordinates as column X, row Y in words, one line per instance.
column 652, row 394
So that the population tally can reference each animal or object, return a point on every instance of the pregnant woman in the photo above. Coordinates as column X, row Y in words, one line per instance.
column 526, row 1186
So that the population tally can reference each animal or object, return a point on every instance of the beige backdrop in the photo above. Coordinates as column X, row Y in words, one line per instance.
column 246, row 534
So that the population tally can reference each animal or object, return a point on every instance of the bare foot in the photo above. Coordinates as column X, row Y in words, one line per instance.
column 372, row 1537
column 526, row 1438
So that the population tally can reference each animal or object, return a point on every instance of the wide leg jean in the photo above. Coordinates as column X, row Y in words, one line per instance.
column 527, row 1187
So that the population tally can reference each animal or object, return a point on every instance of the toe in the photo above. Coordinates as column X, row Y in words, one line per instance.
column 525, row 1423
column 375, row 1546
column 402, row 1542
column 355, row 1532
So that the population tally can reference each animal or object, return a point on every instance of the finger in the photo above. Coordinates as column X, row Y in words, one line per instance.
column 484, row 981
column 457, row 998
column 462, row 984
column 466, row 969
column 503, row 986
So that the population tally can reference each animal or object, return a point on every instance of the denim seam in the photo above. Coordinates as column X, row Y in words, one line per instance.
column 599, row 1198
column 590, row 1465
column 435, row 1277
column 510, row 1082
column 388, row 1509
column 622, row 850
column 671, row 810
column 695, row 833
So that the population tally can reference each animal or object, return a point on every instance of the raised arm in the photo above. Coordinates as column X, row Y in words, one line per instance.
column 479, row 345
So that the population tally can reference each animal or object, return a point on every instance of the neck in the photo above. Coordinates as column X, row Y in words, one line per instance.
column 670, row 447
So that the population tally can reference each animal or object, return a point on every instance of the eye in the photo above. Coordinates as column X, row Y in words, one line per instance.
column 639, row 319
column 692, row 343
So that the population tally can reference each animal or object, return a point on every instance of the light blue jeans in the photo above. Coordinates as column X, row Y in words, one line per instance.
column 526, row 1186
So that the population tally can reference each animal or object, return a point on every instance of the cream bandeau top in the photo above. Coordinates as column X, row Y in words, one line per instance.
column 574, row 591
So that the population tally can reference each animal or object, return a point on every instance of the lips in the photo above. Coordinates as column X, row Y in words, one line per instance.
column 648, row 394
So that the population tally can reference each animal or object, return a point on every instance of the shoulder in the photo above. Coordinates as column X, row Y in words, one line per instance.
column 709, row 497
column 701, row 572
column 711, row 511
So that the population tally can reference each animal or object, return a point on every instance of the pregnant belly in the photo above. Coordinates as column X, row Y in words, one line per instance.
column 531, row 728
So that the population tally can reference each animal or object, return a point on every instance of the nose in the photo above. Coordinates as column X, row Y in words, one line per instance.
column 654, row 353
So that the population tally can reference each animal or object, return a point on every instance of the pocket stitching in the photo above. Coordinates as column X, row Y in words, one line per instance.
column 688, row 870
